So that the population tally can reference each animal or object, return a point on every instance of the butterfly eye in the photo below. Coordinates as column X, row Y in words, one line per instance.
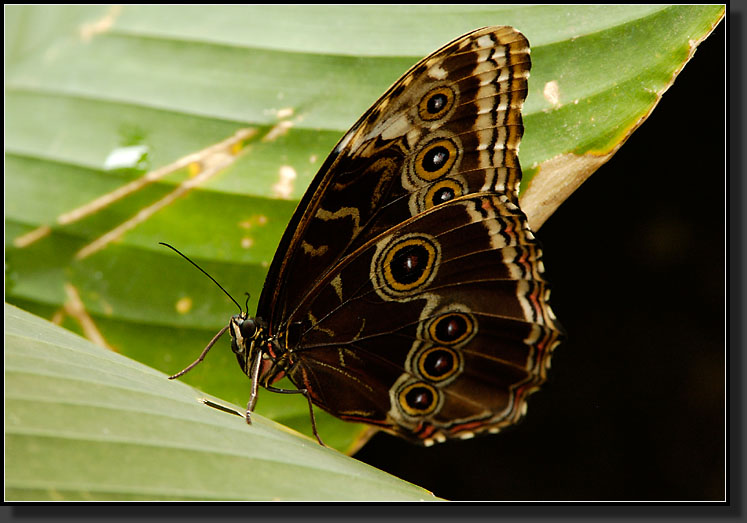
column 436, row 104
column 248, row 328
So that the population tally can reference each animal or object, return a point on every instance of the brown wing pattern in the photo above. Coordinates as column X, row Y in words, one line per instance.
column 450, row 126
column 408, row 289
column 438, row 328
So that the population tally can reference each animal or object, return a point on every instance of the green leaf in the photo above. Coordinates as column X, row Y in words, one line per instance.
column 83, row 82
column 84, row 423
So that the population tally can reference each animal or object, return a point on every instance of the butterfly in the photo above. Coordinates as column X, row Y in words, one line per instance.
column 407, row 291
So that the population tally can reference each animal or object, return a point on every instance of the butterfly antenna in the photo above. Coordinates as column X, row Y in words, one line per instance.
column 206, row 274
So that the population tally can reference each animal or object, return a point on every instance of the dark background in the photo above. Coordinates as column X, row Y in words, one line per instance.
column 634, row 408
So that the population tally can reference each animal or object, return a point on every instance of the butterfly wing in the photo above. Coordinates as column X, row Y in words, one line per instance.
column 451, row 125
column 438, row 328
column 408, row 287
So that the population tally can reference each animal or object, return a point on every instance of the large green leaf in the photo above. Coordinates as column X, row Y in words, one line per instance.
column 84, row 81
column 82, row 422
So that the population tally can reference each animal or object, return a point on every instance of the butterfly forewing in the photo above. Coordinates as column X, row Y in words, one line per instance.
column 464, row 99
column 408, row 289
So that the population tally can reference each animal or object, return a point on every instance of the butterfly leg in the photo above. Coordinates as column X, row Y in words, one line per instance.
column 202, row 356
column 311, row 407
column 255, row 390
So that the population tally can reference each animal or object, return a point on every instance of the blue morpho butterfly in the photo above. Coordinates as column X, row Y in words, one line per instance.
column 407, row 291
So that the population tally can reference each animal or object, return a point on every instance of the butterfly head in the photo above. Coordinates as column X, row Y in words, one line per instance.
column 247, row 335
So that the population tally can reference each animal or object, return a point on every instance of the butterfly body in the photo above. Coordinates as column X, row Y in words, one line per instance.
column 407, row 291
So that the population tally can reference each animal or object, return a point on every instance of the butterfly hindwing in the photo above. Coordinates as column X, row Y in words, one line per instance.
column 446, row 335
